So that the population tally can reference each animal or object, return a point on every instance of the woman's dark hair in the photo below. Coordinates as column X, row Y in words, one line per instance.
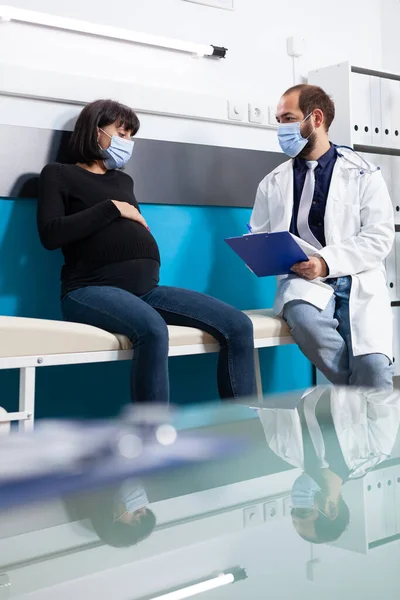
column 83, row 145
column 119, row 534
column 123, row 535
column 113, row 532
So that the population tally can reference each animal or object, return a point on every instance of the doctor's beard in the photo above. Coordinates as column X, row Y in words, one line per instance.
column 308, row 130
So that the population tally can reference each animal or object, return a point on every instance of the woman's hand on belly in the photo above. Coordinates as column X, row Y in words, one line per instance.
column 128, row 211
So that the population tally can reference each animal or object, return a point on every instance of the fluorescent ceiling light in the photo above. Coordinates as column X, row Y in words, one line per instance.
column 20, row 15
column 204, row 586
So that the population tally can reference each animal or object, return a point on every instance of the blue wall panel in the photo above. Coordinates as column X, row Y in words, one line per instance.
column 194, row 255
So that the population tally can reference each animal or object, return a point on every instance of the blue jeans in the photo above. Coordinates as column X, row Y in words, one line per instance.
column 144, row 321
column 324, row 336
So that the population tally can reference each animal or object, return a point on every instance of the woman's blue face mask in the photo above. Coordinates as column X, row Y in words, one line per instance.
column 132, row 496
column 290, row 139
column 118, row 153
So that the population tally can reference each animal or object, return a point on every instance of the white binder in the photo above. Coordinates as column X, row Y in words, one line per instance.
column 376, row 111
column 361, row 109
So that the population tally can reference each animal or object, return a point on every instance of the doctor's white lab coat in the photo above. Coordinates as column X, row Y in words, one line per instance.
column 359, row 232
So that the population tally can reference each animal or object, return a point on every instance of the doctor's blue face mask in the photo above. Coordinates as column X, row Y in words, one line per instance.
column 304, row 491
column 290, row 139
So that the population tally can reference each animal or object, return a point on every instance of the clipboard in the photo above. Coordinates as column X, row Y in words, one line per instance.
column 267, row 254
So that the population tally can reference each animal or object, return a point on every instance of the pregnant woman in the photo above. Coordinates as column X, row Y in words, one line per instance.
column 112, row 261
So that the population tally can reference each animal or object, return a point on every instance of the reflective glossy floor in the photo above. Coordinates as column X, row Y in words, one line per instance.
column 297, row 497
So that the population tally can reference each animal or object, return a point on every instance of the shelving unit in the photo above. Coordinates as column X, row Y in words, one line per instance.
column 368, row 119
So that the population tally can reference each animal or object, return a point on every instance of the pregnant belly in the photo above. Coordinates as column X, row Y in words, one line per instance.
column 121, row 241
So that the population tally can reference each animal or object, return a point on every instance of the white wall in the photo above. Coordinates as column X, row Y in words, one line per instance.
column 274, row 556
column 390, row 10
column 255, row 34
column 257, row 68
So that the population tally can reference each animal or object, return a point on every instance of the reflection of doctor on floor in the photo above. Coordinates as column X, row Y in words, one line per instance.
column 334, row 435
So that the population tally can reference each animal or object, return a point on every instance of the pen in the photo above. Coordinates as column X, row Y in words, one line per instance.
column 249, row 227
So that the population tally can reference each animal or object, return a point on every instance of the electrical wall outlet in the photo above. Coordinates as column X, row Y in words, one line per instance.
column 256, row 113
column 236, row 110
column 273, row 510
column 287, row 507
column 253, row 516
column 225, row 4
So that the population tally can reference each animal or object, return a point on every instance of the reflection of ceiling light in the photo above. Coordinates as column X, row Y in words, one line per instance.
column 10, row 13
column 198, row 588
column 130, row 445
column 204, row 586
column 5, row 586
column 166, row 435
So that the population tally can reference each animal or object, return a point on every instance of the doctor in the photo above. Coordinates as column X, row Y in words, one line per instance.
column 337, row 303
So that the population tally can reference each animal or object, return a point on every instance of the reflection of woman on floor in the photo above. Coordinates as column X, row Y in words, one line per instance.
column 121, row 516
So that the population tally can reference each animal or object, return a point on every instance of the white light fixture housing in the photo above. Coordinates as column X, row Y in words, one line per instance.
column 20, row 15
column 225, row 578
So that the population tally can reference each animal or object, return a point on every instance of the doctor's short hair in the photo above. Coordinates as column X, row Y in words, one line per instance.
column 327, row 530
column 84, row 147
column 312, row 97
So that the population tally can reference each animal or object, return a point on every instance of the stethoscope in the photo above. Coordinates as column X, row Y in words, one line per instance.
column 367, row 168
